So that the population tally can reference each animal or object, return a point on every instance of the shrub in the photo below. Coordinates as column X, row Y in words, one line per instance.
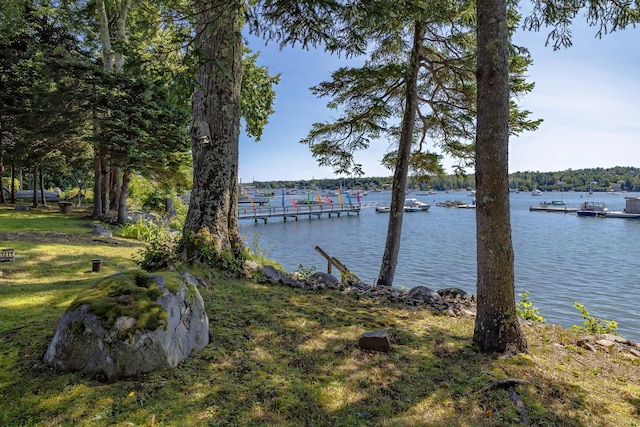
column 526, row 310
column 146, row 231
column 160, row 254
column 594, row 325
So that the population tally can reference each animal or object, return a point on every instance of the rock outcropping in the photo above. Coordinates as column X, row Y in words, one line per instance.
column 452, row 302
column 131, row 323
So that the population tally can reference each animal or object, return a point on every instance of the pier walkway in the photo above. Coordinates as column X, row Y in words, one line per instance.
column 313, row 210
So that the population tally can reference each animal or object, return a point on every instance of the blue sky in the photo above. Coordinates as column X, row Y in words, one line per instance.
column 587, row 95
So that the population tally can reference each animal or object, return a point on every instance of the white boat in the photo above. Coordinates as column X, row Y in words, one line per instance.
column 623, row 214
column 415, row 205
column 412, row 209
column 383, row 209
column 536, row 192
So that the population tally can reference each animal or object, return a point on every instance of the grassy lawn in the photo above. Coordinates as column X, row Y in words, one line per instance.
column 281, row 356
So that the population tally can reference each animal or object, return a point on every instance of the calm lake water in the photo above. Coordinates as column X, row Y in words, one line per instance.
column 559, row 258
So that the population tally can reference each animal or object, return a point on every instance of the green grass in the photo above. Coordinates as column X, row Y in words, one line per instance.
column 281, row 356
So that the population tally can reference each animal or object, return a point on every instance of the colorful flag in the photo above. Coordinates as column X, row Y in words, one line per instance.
column 349, row 198
column 309, row 197
column 283, row 197
column 328, row 200
column 318, row 196
column 294, row 203
column 339, row 197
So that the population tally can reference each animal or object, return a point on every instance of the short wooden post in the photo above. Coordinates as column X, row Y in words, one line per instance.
column 327, row 257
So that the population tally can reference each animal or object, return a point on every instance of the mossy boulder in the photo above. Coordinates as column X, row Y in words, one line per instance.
column 131, row 323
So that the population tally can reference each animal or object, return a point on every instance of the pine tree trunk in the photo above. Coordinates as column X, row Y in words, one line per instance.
column 13, row 183
column 497, row 327
column 124, row 194
column 97, row 185
column 212, row 215
column 43, row 198
column 394, row 231
column 105, row 181
column 97, row 166
column 35, row 187
column 2, row 199
column 115, row 186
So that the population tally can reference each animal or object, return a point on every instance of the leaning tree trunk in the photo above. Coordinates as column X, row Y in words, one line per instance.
column 392, row 245
column 212, row 219
column 497, row 327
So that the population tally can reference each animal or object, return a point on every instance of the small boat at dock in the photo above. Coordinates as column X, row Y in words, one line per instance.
column 623, row 214
column 592, row 209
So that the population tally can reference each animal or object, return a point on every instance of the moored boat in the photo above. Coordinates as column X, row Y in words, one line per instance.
column 592, row 209
column 415, row 205
column 622, row 214
column 412, row 209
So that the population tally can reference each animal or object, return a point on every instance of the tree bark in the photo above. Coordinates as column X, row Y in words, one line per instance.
column 169, row 209
column 43, row 198
column 2, row 199
column 496, row 327
column 215, row 129
column 13, row 183
column 105, row 181
column 105, row 37
column 115, row 187
column 394, row 230
column 124, row 194
column 35, row 187
column 97, row 182
column 122, row 12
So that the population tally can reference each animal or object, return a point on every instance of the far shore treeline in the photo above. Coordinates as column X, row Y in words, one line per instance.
column 619, row 178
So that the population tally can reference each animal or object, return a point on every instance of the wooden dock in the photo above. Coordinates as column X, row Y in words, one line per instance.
column 314, row 210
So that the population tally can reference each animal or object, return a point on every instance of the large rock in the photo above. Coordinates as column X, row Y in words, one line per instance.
column 427, row 295
column 272, row 275
column 101, row 231
column 322, row 280
column 131, row 323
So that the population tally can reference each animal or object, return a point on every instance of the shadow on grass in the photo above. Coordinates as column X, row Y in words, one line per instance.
column 287, row 357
